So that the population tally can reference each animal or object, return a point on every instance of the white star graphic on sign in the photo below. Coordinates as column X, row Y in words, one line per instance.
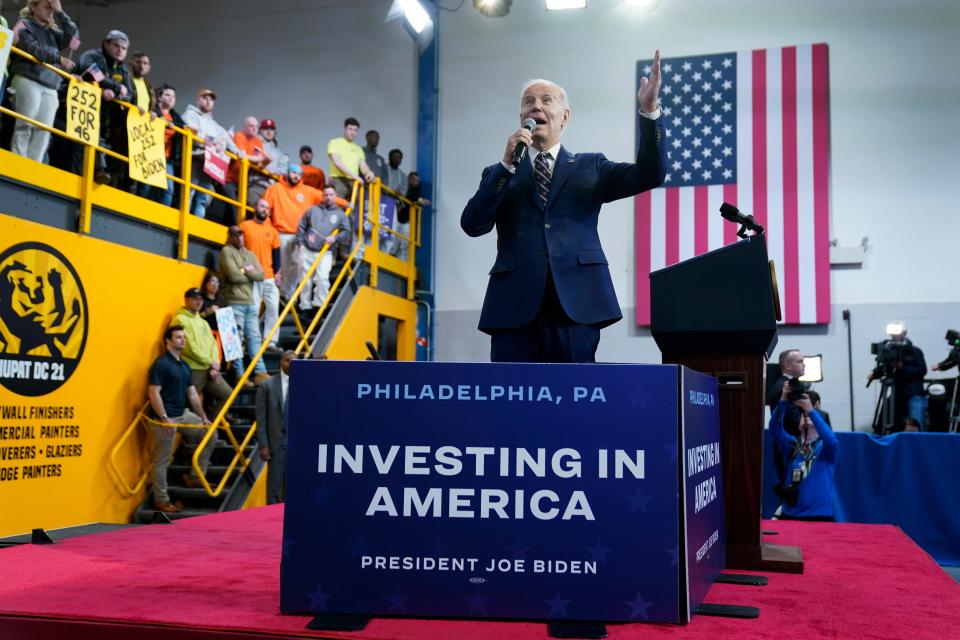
column 678, row 98
column 686, row 154
column 717, row 75
column 666, row 111
column 686, row 175
column 727, row 62
column 677, row 165
column 727, row 151
column 727, row 128
column 686, row 131
column 716, row 118
column 667, row 67
column 707, row 86
column 707, row 152
column 727, row 106
column 686, row 88
column 687, row 66
column 676, row 143
column 707, row 130
column 727, row 85
column 707, row 108
column 697, row 164
column 697, row 98
column 666, row 178
column 717, row 163
column 667, row 89
column 716, row 140
column 716, row 96
column 727, row 173
column 697, row 120
column 677, row 77
column 677, row 121
column 696, row 76
column 686, row 109
column 707, row 175
column 647, row 69
column 707, row 64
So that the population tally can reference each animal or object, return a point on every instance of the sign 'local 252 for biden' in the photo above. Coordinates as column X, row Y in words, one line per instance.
column 501, row 491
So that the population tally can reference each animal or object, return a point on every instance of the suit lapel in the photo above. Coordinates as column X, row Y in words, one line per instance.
column 562, row 169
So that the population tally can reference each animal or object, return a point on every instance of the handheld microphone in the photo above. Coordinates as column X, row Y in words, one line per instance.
column 746, row 222
column 521, row 149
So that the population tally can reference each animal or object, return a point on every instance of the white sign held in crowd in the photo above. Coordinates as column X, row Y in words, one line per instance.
column 6, row 41
column 83, row 111
column 229, row 335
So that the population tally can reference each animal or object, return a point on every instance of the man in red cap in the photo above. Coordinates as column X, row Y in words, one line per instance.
column 277, row 166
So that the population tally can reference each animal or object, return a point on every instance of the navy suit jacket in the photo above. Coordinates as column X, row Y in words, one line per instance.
column 564, row 233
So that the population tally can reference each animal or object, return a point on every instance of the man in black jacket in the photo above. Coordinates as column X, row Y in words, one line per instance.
column 905, row 363
column 105, row 67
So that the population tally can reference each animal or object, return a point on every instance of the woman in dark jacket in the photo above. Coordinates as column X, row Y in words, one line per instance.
column 42, row 31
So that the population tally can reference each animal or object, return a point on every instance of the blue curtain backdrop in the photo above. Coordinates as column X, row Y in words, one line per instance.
column 907, row 479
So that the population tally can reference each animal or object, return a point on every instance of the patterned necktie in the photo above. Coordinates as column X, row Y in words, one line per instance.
column 541, row 174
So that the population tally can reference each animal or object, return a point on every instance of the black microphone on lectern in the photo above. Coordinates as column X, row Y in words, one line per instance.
column 521, row 149
column 746, row 222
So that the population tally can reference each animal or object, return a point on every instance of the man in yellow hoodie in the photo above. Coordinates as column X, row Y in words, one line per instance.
column 201, row 352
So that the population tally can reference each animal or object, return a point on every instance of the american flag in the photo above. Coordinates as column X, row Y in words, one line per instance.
column 750, row 128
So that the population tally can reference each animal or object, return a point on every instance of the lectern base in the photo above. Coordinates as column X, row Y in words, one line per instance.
column 765, row 557
column 338, row 622
column 584, row 629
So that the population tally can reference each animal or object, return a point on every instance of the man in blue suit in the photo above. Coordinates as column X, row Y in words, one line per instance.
column 550, row 290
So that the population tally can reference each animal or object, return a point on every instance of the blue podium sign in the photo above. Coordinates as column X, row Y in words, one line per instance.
column 507, row 491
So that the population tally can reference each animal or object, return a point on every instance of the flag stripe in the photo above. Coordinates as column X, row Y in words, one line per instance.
column 821, row 178
column 773, row 203
column 759, row 166
column 806, row 229
column 701, row 226
column 791, row 275
column 642, row 240
column 673, row 226
column 686, row 222
column 714, row 223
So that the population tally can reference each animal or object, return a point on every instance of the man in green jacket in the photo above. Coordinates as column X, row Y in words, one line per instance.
column 240, row 269
column 201, row 352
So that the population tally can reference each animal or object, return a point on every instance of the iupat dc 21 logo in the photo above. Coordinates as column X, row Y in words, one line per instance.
column 43, row 319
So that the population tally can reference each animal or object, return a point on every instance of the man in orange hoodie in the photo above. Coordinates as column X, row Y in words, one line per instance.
column 289, row 199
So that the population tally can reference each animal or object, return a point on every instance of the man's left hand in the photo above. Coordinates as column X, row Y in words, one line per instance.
column 649, row 93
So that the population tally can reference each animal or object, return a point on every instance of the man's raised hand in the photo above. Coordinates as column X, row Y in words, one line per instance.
column 649, row 93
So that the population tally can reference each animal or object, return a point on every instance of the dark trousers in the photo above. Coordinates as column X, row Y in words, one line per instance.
column 552, row 336
column 276, row 470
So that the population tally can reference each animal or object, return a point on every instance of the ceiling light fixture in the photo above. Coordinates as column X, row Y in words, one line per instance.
column 493, row 8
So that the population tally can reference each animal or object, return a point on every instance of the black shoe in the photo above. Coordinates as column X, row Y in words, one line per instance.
column 101, row 177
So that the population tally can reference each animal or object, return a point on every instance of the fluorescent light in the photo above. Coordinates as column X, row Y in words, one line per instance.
column 895, row 329
column 415, row 15
column 812, row 369
column 556, row 5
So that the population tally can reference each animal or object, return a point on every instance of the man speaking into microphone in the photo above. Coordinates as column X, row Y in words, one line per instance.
column 550, row 290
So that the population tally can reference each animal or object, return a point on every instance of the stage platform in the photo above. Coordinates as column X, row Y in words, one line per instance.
column 217, row 576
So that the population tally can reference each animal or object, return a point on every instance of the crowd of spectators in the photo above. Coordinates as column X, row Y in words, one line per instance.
column 45, row 31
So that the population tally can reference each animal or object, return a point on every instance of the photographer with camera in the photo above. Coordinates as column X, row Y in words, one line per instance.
column 903, row 364
column 808, row 491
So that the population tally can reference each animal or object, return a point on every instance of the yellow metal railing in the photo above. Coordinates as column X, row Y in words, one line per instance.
column 189, row 141
column 373, row 255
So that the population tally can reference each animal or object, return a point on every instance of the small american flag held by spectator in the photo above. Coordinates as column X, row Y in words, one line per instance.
column 95, row 73
column 750, row 128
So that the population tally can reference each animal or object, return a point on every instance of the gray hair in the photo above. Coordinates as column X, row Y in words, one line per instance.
column 560, row 90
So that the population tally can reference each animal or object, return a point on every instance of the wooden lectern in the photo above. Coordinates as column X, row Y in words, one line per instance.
column 717, row 313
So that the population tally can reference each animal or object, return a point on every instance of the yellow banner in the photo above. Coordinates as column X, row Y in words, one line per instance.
column 83, row 111
column 148, row 160
column 74, row 357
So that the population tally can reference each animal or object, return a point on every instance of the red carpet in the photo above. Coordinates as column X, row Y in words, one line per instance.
column 221, row 573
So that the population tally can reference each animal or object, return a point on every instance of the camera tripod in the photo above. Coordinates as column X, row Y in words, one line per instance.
column 953, row 416
column 883, row 415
